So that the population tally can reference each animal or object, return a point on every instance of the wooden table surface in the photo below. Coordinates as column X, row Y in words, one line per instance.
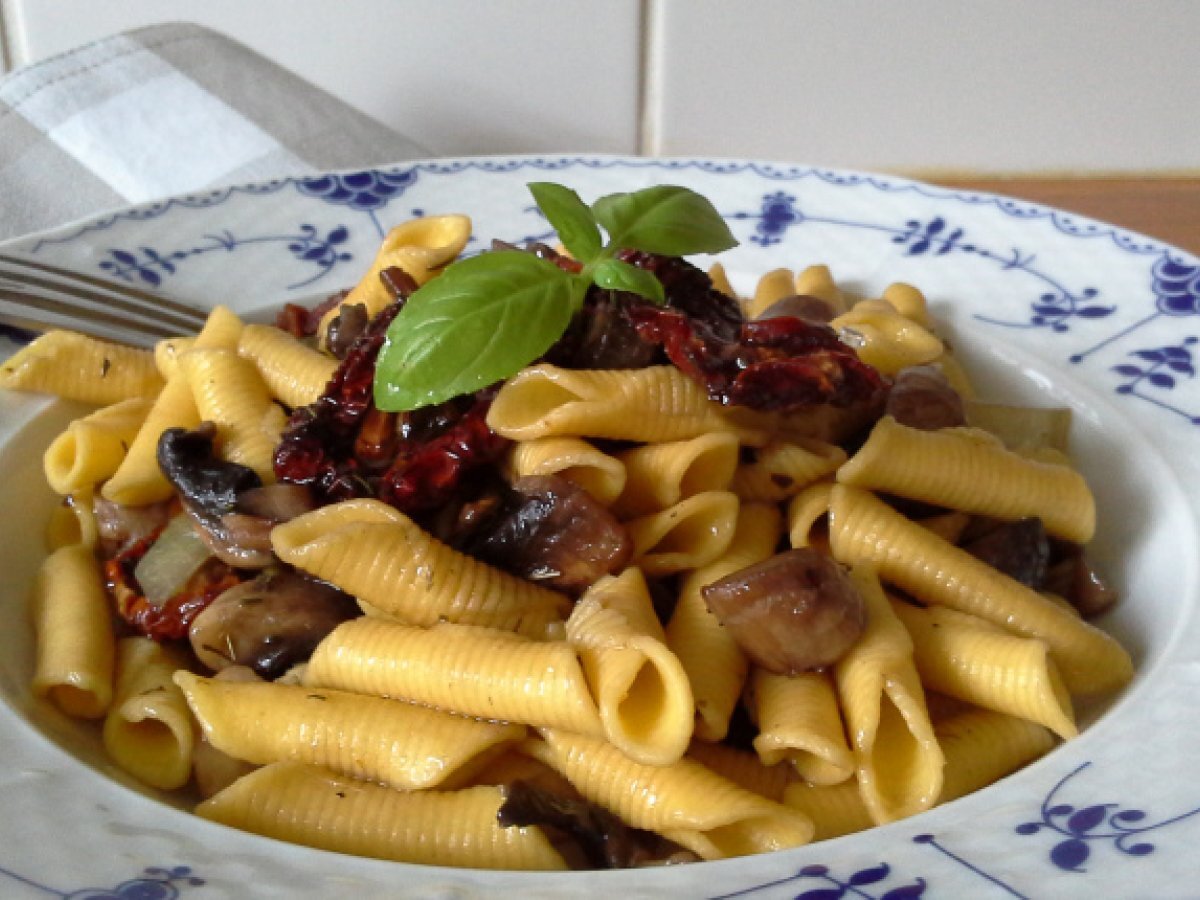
column 1167, row 208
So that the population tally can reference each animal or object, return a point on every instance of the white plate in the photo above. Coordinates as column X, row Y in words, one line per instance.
column 1044, row 306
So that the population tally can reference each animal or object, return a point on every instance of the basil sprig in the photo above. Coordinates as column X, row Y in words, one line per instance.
column 486, row 317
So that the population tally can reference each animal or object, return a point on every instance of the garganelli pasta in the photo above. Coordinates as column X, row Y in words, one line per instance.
column 711, row 583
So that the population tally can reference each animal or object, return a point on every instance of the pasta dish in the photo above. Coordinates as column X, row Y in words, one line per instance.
column 563, row 557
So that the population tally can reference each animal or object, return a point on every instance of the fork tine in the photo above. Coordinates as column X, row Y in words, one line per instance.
column 24, row 309
column 91, row 287
column 36, row 292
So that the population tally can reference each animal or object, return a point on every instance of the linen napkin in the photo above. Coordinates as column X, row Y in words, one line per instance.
column 163, row 110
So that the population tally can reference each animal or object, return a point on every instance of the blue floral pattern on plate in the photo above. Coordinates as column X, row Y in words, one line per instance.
column 1110, row 309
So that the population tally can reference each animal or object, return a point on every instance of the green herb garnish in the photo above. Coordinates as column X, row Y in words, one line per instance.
column 486, row 317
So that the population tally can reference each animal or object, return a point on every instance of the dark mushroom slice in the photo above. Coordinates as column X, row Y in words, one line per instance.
column 1071, row 576
column 604, row 841
column 232, row 511
column 1020, row 549
column 602, row 336
column 119, row 526
column 345, row 328
column 269, row 624
column 797, row 611
column 801, row 306
column 552, row 531
column 921, row 397
column 189, row 462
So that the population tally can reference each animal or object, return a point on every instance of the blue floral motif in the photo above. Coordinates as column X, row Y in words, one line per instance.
column 150, row 266
column 1079, row 828
column 1159, row 367
column 1176, row 286
column 1054, row 308
column 155, row 883
column 835, row 888
column 366, row 191
column 779, row 212
column 921, row 237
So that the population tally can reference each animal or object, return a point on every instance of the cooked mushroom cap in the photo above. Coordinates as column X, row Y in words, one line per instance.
column 268, row 624
column 798, row 610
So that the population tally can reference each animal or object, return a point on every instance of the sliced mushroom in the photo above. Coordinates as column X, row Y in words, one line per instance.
column 345, row 327
column 1019, row 549
column 605, row 841
column 921, row 397
column 269, row 624
column 801, row 306
column 798, row 610
column 119, row 526
column 1071, row 576
column 189, row 462
column 554, row 532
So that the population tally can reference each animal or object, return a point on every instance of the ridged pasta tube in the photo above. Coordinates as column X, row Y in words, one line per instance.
column 660, row 475
column 865, row 530
column 92, row 448
column 295, row 374
column 78, row 367
column 73, row 521
column 771, row 286
column 799, row 721
column 714, row 662
column 835, row 809
column 898, row 758
column 641, row 690
column 650, row 405
column 969, row 470
column 980, row 747
column 744, row 768
column 229, row 392
column 139, row 481
column 148, row 730
column 964, row 657
column 884, row 338
column 782, row 469
column 685, row 802
column 457, row 668
column 692, row 533
column 817, row 281
column 383, row 558
column 908, row 301
column 983, row 746
column 316, row 808
column 72, row 623
column 167, row 353
column 360, row 736
column 599, row 474
column 419, row 246
column 805, row 509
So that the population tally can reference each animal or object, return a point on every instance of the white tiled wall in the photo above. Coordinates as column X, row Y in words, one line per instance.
column 917, row 86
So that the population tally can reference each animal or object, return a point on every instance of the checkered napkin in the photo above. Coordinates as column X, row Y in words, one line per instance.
column 165, row 110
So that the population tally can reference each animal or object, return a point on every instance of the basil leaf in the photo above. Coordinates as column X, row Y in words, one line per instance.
column 668, row 220
column 481, row 321
column 571, row 218
column 621, row 276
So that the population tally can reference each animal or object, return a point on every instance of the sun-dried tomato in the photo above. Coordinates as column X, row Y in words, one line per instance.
column 780, row 364
column 428, row 474
column 171, row 619
column 339, row 445
column 317, row 446
column 301, row 321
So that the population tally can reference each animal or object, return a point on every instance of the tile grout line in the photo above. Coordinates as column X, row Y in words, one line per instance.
column 649, row 78
column 6, row 50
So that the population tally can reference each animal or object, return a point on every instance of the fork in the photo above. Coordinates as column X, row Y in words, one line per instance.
column 38, row 296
